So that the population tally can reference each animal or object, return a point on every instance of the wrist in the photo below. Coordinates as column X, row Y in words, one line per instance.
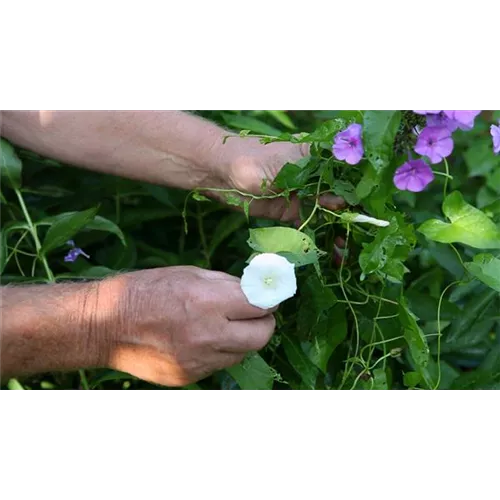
column 59, row 327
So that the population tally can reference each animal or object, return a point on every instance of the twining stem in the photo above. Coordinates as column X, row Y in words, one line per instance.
column 447, row 177
column 203, row 238
column 439, row 334
column 316, row 206
column 34, row 234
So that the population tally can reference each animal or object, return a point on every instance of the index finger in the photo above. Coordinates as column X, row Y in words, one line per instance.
column 238, row 307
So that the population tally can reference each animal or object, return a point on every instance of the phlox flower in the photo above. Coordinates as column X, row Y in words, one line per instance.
column 414, row 175
column 441, row 120
column 435, row 143
column 73, row 254
column 464, row 119
column 495, row 134
column 268, row 280
column 348, row 144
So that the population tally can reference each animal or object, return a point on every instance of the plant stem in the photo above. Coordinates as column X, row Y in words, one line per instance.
column 34, row 234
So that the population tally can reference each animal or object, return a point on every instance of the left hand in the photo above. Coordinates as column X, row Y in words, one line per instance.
column 247, row 162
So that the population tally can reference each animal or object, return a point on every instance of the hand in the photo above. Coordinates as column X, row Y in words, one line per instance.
column 178, row 325
column 247, row 162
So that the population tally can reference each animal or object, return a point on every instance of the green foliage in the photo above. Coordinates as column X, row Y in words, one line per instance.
column 410, row 306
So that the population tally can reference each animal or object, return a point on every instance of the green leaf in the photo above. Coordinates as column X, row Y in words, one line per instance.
column 253, row 373
column 233, row 200
column 486, row 268
column 493, row 180
column 242, row 122
column 97, row 224
column 65, row 227
column 227, row 226
column 346, row 190
column 414, row 336
column 392, row 243
column 10, row 165
column 478, row 380
column 472, row 313
column 469, row 225
column 295, row 175
column 480, row 159
column 379, row 131
column 326, row 131
column 329, row 333
column 295, row 245
column 411, row 379
column 380, row 382
column 14, row 385
column 282, row 118
column 300, row 361
column 200, row 197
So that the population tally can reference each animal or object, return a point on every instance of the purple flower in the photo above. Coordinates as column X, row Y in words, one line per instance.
column 464, row 119
column 435, row 143
column 495, row 134
column 349, row 145
column 74, row 252
column 441, row 120
column 414, row 175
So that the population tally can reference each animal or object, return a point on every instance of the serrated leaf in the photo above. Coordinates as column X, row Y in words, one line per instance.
column 65, row 227
column 295, row 245
column 253, row 373
column 468, row 225
column 10, row 165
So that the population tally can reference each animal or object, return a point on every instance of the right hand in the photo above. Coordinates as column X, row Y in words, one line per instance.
column 178, row 325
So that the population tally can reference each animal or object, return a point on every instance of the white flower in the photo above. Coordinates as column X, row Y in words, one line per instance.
column 370, row 220
column 268, row 280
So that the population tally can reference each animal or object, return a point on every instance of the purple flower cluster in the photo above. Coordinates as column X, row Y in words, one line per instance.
column 434, row 142
column 73, row 254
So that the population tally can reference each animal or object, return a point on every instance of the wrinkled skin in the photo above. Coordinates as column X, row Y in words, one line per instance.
column 177, row 325
column 252, row 162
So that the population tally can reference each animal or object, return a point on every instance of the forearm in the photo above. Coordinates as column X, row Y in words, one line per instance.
column 161, row 147
column 54, row 327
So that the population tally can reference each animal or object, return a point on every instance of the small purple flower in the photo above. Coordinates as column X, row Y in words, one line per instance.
column 464, row 119
column 435, row 143
column 349, row 145
column 414, row 175
column 74, row 252
column 495, row 134
column 441, row 120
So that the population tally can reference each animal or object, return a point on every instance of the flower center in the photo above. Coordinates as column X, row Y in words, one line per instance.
column 431, row 142
column 353, row 143
column 268, row 280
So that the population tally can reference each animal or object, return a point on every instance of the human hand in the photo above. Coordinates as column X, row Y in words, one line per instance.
column 246, row 163
column 178, row 325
